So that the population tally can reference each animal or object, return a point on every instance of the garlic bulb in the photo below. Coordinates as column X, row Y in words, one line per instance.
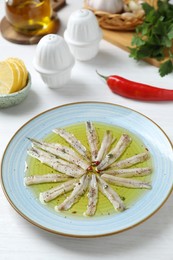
column 110, row 6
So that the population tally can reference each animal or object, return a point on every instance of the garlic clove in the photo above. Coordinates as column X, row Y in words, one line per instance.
column 111, row 6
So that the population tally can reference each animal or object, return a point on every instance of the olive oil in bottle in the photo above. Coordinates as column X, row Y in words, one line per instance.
column 30, row 17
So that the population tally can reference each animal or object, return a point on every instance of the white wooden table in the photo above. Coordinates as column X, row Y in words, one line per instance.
column 21, row 240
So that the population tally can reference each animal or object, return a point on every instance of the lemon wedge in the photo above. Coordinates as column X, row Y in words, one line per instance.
column 13, row 75
column 17, row 71
column 8, row 78
column 23, row 70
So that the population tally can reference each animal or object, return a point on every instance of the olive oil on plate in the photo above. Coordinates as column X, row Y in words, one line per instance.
column 129, row 195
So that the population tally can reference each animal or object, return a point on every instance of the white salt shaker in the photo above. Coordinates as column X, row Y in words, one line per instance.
column 83, row 34
column 53, row 60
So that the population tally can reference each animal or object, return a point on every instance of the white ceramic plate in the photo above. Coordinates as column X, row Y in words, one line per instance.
column 22, row 199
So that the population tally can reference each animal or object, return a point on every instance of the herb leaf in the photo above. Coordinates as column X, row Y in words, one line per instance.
column 166, row 68
column 154, row 37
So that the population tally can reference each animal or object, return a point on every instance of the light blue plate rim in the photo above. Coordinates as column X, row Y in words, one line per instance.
column 13, row 163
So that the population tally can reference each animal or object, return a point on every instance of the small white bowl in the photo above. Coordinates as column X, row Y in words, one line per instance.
column 83, row 34
column 8, row 100
column 53, row 60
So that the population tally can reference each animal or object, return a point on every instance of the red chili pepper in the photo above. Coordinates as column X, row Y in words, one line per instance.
column 135, row 90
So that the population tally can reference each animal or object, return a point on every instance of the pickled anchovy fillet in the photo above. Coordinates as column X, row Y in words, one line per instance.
column 141, row 157
column 77, row 192
column 92, row 196
column 132, row 172
column 105, row 145
column 36, row 153
column 92, row 140
column 73, row 141
column 58, row 146
column 57, row 164
column 111, row 195
column 62, row 152
column 45, row 178
column 53, row 193
column 126, row 182
column 116, row 152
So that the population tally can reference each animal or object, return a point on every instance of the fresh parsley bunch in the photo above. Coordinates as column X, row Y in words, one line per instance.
column 154, row 37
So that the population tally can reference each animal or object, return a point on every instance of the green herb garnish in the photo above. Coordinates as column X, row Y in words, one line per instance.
column 154, row 37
